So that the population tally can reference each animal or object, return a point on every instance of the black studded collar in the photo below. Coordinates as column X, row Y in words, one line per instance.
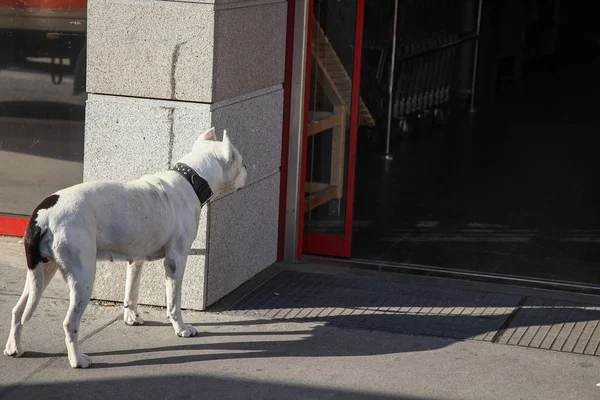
column 198, row 183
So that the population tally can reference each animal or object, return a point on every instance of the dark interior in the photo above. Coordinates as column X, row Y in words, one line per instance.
column 509, row 188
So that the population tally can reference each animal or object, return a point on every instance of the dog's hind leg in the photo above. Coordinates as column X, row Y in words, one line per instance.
column 79, row 270
column 132, row 291
column 80, row 286
column 174, row 268
column 13, row 345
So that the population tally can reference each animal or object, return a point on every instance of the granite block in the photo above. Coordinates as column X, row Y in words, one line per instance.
column 128, row 137
column 249, row 49
column 124, row 138
column 195, row 51
column 242, row 236
column 254, row 124
column 189, row 121
column 150, row 48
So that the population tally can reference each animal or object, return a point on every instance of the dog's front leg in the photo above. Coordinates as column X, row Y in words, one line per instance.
column 132, row 291
column 174, row 268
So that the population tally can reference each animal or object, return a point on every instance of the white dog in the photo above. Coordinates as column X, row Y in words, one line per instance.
column 150, row 218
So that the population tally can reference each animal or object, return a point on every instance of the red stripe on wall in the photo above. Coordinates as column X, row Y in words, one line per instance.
column 60, row 4
column 13, row 226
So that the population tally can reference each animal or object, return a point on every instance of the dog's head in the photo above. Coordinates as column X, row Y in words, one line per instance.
column 219, row 162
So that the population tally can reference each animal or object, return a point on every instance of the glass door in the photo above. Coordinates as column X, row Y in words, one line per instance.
column 333, row 112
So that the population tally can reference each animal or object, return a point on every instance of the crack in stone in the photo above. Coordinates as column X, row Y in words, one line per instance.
column 174, row 60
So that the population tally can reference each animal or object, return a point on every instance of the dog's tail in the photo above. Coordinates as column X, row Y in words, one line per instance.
column 34, row 283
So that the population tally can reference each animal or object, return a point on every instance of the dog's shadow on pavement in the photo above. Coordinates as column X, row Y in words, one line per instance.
column 264, row 338
column 317, row 340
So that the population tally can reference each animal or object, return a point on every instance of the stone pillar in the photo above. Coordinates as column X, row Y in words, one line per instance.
column 158, row 74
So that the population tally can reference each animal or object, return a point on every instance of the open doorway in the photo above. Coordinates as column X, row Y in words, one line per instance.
column 510, row 189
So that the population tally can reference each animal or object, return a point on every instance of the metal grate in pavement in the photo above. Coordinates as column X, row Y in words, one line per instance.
column 368, row 303
column 555, row 325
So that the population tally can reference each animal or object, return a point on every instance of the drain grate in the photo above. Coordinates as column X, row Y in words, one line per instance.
column 555, row 325
column 370, row 303
column 367, row 303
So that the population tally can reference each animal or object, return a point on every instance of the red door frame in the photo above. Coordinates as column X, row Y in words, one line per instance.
column 318, row 243
column 287, row 98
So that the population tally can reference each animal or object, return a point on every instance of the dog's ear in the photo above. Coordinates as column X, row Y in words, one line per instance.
column 208, row 135
column 227, row 152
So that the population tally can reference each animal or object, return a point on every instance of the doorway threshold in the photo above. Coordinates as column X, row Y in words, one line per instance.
column 440, row 272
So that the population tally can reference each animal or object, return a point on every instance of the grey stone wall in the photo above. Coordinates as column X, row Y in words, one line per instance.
column 161, row 72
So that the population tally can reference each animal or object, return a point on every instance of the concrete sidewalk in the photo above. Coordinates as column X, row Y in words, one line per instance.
column 240, row 357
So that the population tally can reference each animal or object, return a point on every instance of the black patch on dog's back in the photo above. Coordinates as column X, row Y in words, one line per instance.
column 33, row 234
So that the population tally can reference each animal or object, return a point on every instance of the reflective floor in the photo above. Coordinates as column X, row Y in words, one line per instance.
column 515, row 192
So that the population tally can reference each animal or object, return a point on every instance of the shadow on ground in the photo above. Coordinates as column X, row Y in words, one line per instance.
column 264, row 338
column 190, row 387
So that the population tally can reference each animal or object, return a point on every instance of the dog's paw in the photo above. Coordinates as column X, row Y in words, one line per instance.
column 12, row 349
column 187, row 331
column 132, row 318
column 81, row 361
